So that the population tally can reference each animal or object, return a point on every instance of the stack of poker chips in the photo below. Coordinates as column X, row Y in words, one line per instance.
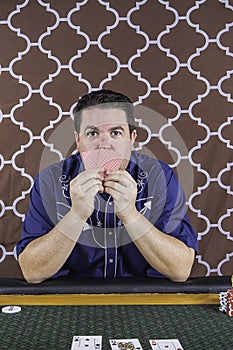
column 223, row 301
column 230, row 302
column 226, row 302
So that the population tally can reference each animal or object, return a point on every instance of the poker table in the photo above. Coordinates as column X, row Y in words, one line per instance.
column 53, row 312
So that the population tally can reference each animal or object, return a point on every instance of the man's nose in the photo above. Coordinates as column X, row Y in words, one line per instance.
column 104, row 140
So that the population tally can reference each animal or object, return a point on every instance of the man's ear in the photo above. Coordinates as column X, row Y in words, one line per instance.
column 76, row 140
column 133, row 137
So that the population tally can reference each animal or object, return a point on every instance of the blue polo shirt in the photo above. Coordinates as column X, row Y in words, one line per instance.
column 104, row 248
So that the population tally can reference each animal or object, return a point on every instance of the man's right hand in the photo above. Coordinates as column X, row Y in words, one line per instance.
column 83, row 189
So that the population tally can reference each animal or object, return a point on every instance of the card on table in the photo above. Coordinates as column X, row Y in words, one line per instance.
column 106, row 159
column 165, row 344
column 88, row 342
column 125, row 344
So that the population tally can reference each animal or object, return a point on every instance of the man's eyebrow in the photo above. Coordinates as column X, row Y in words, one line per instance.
column 117, row 127
column 92, row 127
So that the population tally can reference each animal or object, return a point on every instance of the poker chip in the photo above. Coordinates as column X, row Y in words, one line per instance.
column 12, row 309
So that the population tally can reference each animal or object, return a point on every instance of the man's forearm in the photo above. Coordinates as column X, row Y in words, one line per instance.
column 44, row 256
column 166, row 254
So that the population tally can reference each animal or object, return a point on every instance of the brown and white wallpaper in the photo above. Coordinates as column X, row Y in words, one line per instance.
column 174, row 59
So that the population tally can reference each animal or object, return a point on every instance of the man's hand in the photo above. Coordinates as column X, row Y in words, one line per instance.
column 122, row 187
column 83, row 189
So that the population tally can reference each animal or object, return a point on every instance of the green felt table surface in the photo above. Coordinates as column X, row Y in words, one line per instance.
column 198, row 327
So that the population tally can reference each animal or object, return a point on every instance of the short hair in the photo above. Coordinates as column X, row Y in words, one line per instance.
column 104, row 99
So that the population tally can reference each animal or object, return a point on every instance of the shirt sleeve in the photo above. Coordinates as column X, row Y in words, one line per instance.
column 40, row 216
column 169, row 209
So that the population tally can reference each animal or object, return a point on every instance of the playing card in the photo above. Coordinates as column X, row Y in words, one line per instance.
column 102, row 158
column 109, row 160
column 165, row 344
column 89, row 342
column 90, row 159
column 125, row 344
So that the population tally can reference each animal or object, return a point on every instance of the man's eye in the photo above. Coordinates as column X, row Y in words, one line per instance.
column 116, row 133
column 92, row 133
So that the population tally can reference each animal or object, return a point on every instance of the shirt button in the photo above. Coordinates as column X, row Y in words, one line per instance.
column 111, row 260
column 110, row 233
column 110, row 203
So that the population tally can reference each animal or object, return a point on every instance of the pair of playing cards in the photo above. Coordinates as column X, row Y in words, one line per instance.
column 105, row 159
column 95, row 343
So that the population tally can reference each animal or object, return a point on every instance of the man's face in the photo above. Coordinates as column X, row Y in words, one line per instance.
column 106, row 129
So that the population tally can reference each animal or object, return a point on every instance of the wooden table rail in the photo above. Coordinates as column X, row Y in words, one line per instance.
column 110, row 299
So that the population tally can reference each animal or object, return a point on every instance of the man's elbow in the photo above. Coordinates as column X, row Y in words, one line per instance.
column 180, row 278
column 28, row 272
column 183, row 272
column 32, row 280
column 181, row 275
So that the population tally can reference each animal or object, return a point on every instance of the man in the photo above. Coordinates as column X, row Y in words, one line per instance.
column 87, row 221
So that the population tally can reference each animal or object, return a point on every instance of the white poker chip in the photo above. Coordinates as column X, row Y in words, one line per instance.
column 12, row 309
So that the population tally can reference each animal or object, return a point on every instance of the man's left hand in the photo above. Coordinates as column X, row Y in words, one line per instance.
column 122, row 187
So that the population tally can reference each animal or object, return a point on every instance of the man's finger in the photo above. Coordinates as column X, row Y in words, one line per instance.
column 85, row 176
column 116, row 175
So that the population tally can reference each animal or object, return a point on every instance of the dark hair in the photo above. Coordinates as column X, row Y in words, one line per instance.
column 104, row 99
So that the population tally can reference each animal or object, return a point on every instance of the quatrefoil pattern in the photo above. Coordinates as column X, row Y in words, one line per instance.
column 174, row 59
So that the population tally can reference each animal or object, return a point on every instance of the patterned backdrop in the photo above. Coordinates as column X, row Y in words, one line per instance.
column 174, row 59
